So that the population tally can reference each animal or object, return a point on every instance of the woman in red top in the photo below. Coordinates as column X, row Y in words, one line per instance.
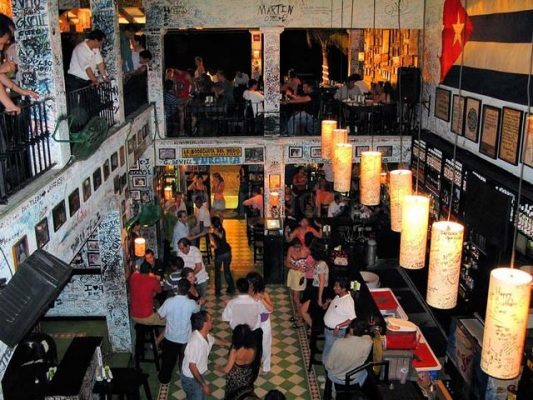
column 302, row 230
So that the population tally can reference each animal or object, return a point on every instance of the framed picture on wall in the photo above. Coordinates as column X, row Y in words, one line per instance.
column 42, row 235
column 114, row 161
column 296, row 152
column 139, row 182
column 94, row 259
column 167, row 154
column 86, row 187
column 458, row 112
column 386, row 151
column 490, row 131
column 511, row 133
column 59, row 215
column 140, row 137
column 360, row 149
column 472, row 118
column 315, row 152
column 74, row 202
column 122, row 152
column 528, row 152
column 116, row 184
column 92, row 245
column 20, row 251
column 254, row 154
column 97, row 179
column 131, row 143
column 442, row 104
column 106, row 170
column 135, row 194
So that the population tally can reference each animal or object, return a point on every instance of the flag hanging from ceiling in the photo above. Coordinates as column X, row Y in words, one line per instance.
column 495, row 53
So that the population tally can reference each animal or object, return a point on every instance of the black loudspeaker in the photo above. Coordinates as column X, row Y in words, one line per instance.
column 273, row 259
column 409, row 84
column 26, row 297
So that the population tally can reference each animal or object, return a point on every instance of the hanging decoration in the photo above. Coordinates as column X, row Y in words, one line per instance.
column 139, row 247
column 342, row 171
column 168, row 193
column 444, row 264
column 370, row 180
column 338, row 136
column 401, row 185
column 327, row 136
column 505, row 322
column 415, row 215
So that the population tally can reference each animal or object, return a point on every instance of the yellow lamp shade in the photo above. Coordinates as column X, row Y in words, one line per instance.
column 400, row 186
column 444, row 264
column 168, row 193
column 415, row 214
column 139, row 247
column 273, row 199
column 343, row 167
column 327, row 136
column 370, row 178
column 505, row 322
column 338, row 136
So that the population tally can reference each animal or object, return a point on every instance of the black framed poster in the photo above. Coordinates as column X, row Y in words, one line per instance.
column 490, row 130
column 511, row 132
column 472, row 118
column 442, row 104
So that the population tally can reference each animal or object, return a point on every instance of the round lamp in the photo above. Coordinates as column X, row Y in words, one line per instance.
column 273, row 199
column 505, row 322
column 139, row 246
column 415, row 214
column 444, row 264
column 342, row 171
column 400, row 186
column 168, row 193
column 326, row 137
column 370, row 180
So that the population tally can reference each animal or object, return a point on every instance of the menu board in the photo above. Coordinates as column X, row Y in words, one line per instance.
column 510, row 136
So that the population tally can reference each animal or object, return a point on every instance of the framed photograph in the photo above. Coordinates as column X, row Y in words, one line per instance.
column 315, row 152
column 528, row 152
column 42, row 235
column 360, row 149
column 59, row 215
column 296, row 152
column 139, row 182
column 167, row 154
column 116, row 184
column 106, row 169
column 86, row 187
column 122, row 152
column 145, row 196
column 92, row 245
column 94, row 259
column 114, row 161
column 386, row 151
column 74, row 202
column 442, row 104
column 131, row 143
column 254, row 154
column 144, row 131
column 511, row 133
column 123, row 180
column 20, row 251
column 97, row 179
column 472, row 118
column 490, row 131
column 135, row 194
column 458, row 114
column 140, row 137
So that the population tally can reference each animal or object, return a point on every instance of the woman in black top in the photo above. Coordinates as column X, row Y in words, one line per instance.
column 217, row 234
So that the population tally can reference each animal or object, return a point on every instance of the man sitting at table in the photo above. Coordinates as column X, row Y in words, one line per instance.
column 349, row 90
column 336, row 207
column 305, row 121
column 349, row 353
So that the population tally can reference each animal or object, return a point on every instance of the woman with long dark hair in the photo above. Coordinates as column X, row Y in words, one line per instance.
column 217, row 234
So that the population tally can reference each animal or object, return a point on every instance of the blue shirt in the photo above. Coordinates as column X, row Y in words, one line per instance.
column 178, row 310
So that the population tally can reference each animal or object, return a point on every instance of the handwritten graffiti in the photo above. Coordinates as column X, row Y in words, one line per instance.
column 275, row 12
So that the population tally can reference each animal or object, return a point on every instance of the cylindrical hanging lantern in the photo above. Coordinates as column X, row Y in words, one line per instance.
column 444, row 264
column 327, row 136
column 415, row 214
column 343, row 167
column 273, row 199
column 338, row 136
column 370, row 179
column 400, row 186
column 505, row 322
column 139, row 247
column 168, row 193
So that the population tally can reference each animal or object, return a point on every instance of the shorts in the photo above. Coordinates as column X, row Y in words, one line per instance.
column 219, row 205
column 296, row 280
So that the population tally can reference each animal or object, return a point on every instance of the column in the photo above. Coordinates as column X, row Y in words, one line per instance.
column 105, row 17
column 41, row 63
column 274, row 176
column 154, row 43
column 271, row 78
column 114, row 280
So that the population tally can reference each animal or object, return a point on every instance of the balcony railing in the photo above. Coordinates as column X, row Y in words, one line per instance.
column 91, row 101
column 24, row 147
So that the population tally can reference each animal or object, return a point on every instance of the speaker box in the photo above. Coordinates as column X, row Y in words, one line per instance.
column 409, row 84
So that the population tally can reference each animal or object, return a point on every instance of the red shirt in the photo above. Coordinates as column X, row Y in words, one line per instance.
column 142, row 290
column 182, row 83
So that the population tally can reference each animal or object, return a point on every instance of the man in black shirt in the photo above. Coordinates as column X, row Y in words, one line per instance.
column 305, row 121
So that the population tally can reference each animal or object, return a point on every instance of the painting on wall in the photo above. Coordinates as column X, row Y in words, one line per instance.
column 490, row 131
column 316, row 152
column 59, row 215
column 114, row 161
column 139, row 182
column 42, row 235
column 254, row 154
column 472, row 118
column 442, row 104
column 86, row 187
column 386, row 151
column 167, row 154
column 94, row 259
column 131, row 144
column 296, row 152
column 106, row 170
column 122, row 153
column 97, row 179
column 360, row 149
column 74, row 202
column 20, row 251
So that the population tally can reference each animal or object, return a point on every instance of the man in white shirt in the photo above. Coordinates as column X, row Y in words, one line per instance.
column 255, row 97
column 241, row 78
column 177, row 311
column 192, row 258
column 196, row 357
column 243, row 309
column 181, row 230
column 180, row 203
column 86, row 60
column 202, row 215
column 349, row 90
column 336, row 206
column 363, row 86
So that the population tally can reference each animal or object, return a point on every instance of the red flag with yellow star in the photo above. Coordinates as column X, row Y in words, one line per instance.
column 455, row 33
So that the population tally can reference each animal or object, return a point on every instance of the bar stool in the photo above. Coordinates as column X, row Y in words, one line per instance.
column 143, row 334
column 126, row 383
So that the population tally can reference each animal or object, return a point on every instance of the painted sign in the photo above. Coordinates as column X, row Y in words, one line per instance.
column 211, row 152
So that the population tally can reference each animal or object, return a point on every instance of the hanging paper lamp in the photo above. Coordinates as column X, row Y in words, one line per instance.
column 444, row 264
column 342, row 171
column 400, row 186
column 139, row 247
column 273, row 199
column 168, row 193
column 370, row 179
column 338, row 136
column 327, row 136
column 415, row 214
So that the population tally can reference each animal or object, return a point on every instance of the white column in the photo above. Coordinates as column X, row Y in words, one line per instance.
column 154, row 43
column 271, row 78
column 256, row 63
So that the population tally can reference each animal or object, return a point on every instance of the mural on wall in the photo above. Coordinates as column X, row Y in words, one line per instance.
column 81, row 297
column 154, row 43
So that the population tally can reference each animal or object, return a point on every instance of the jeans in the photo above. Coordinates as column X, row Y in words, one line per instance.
column 172, row 352
column 329, row 339
column 225, row 260
column 202, row 288
column 301, row 123
column 192, row 389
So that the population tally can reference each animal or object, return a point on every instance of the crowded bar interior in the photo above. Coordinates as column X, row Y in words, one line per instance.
column 295, row 199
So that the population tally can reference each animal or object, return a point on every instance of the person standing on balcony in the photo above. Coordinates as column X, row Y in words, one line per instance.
column 86, row 60
column 138, row 46
column 254, row 96
column 126, row 36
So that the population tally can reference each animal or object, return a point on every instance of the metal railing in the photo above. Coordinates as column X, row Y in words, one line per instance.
column 24, row 147
column 91, row 101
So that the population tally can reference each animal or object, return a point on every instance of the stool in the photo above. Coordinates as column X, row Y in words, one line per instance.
column 143, row 333
column 126, row 383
